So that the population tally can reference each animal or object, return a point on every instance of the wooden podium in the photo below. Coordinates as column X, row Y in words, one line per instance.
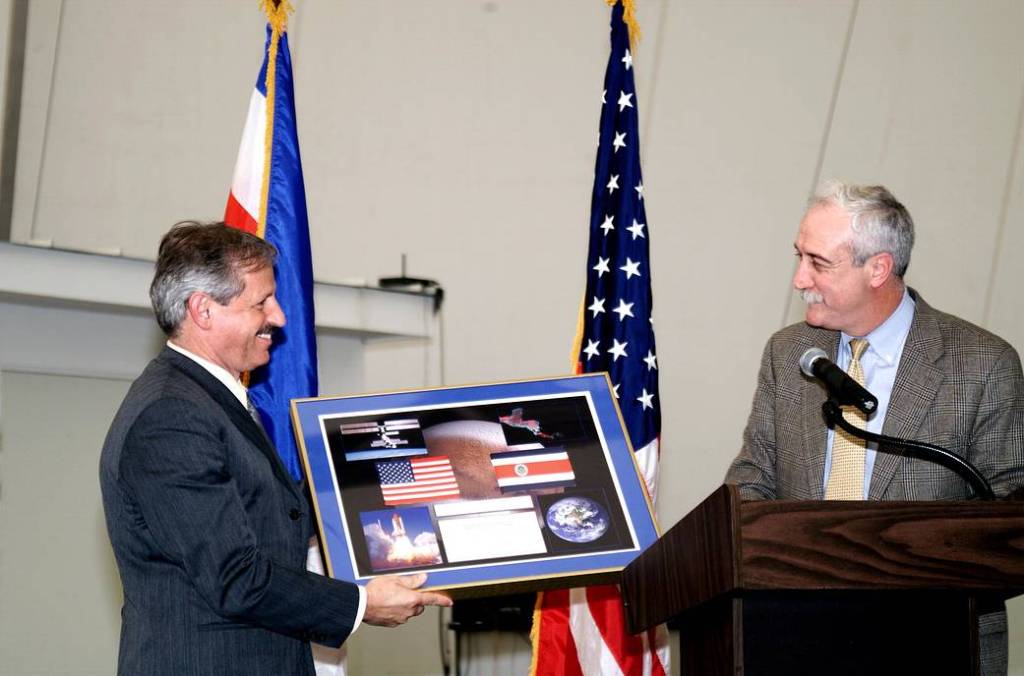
column 808, row 587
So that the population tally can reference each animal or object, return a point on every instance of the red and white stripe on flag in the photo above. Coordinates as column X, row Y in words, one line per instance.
column 582, row 632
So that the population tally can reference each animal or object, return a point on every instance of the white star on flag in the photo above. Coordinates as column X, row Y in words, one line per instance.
column 597, row 306
column 628, row 60
column 646, row 399
column 631, row 268
column 624, row 310
column 613, row 183
column 651, row 361
column 591, row 349
column 624, row 101
column 602, row 266
column 618, row 349
column 639, row 191
column 608, row 223
column 637, row 229
column 619, row 142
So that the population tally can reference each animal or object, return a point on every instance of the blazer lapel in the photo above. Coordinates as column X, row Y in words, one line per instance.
column 815, row 434
column 918, row 380
column 237, row 413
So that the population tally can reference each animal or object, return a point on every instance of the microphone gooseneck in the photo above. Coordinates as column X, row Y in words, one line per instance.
column 915, row 449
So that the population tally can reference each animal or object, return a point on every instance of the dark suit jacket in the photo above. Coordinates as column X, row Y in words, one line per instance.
column 210, row 535
column 957, row 386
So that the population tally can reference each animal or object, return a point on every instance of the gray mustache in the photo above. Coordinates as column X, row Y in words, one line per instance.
column 810, row 297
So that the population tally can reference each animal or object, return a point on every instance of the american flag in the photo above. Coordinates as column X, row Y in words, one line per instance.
column 426, row 479
column 582, row 631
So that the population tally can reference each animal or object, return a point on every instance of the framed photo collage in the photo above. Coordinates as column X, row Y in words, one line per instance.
column 527, row 484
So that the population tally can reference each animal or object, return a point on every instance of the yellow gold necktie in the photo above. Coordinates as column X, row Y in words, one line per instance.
column 846, row 478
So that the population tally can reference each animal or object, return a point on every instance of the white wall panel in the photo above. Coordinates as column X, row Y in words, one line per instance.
column 6, row 7
column 43, row 27
column 1005, row 306
column 143, row 105
column 929, row 106
column 61, row 594
column 463, row 134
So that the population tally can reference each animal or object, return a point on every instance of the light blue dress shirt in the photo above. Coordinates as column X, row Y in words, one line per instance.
column 879, row 361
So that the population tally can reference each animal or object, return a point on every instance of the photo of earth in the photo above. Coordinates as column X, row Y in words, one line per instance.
column 578, row 519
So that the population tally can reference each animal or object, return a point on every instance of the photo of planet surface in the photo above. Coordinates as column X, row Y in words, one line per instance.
column 578, row 519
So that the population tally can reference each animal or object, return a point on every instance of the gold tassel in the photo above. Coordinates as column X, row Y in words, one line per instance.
column 629, row 16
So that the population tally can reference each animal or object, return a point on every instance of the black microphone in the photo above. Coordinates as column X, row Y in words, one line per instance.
column 841, row 387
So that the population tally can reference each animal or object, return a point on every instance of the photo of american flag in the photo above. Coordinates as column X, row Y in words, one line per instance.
column 417, row 480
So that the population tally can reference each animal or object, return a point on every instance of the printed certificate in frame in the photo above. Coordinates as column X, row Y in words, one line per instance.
column 494, row 488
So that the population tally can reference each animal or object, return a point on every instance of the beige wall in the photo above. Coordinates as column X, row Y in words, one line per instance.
column 462, row 133
column 60, row 608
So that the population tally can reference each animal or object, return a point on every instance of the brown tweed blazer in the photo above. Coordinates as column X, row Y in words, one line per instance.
column 957, row 386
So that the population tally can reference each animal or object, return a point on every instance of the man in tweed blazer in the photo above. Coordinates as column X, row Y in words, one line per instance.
column 209, row 531
column 951, row 383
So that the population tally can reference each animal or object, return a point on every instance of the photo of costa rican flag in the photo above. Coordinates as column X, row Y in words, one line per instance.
column 529, row 468
column 417, row 480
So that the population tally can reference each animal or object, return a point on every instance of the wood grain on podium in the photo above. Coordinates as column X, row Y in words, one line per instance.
column 725, row 547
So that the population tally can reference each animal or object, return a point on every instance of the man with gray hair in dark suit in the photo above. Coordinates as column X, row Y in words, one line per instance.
column 938, row 379
column 209, row 531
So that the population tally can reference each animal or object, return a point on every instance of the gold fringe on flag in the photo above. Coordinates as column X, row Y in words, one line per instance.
column 277, row 12
column 535, row 633
column 577, row 342
column 629, row 16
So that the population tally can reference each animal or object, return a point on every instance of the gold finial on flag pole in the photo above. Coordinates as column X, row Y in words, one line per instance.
column 629, row 16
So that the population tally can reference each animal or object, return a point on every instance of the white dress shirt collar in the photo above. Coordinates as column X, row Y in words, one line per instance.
column 234, row 385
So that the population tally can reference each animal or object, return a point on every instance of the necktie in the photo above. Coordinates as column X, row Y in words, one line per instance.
column 253, row 413
column 846, row 478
